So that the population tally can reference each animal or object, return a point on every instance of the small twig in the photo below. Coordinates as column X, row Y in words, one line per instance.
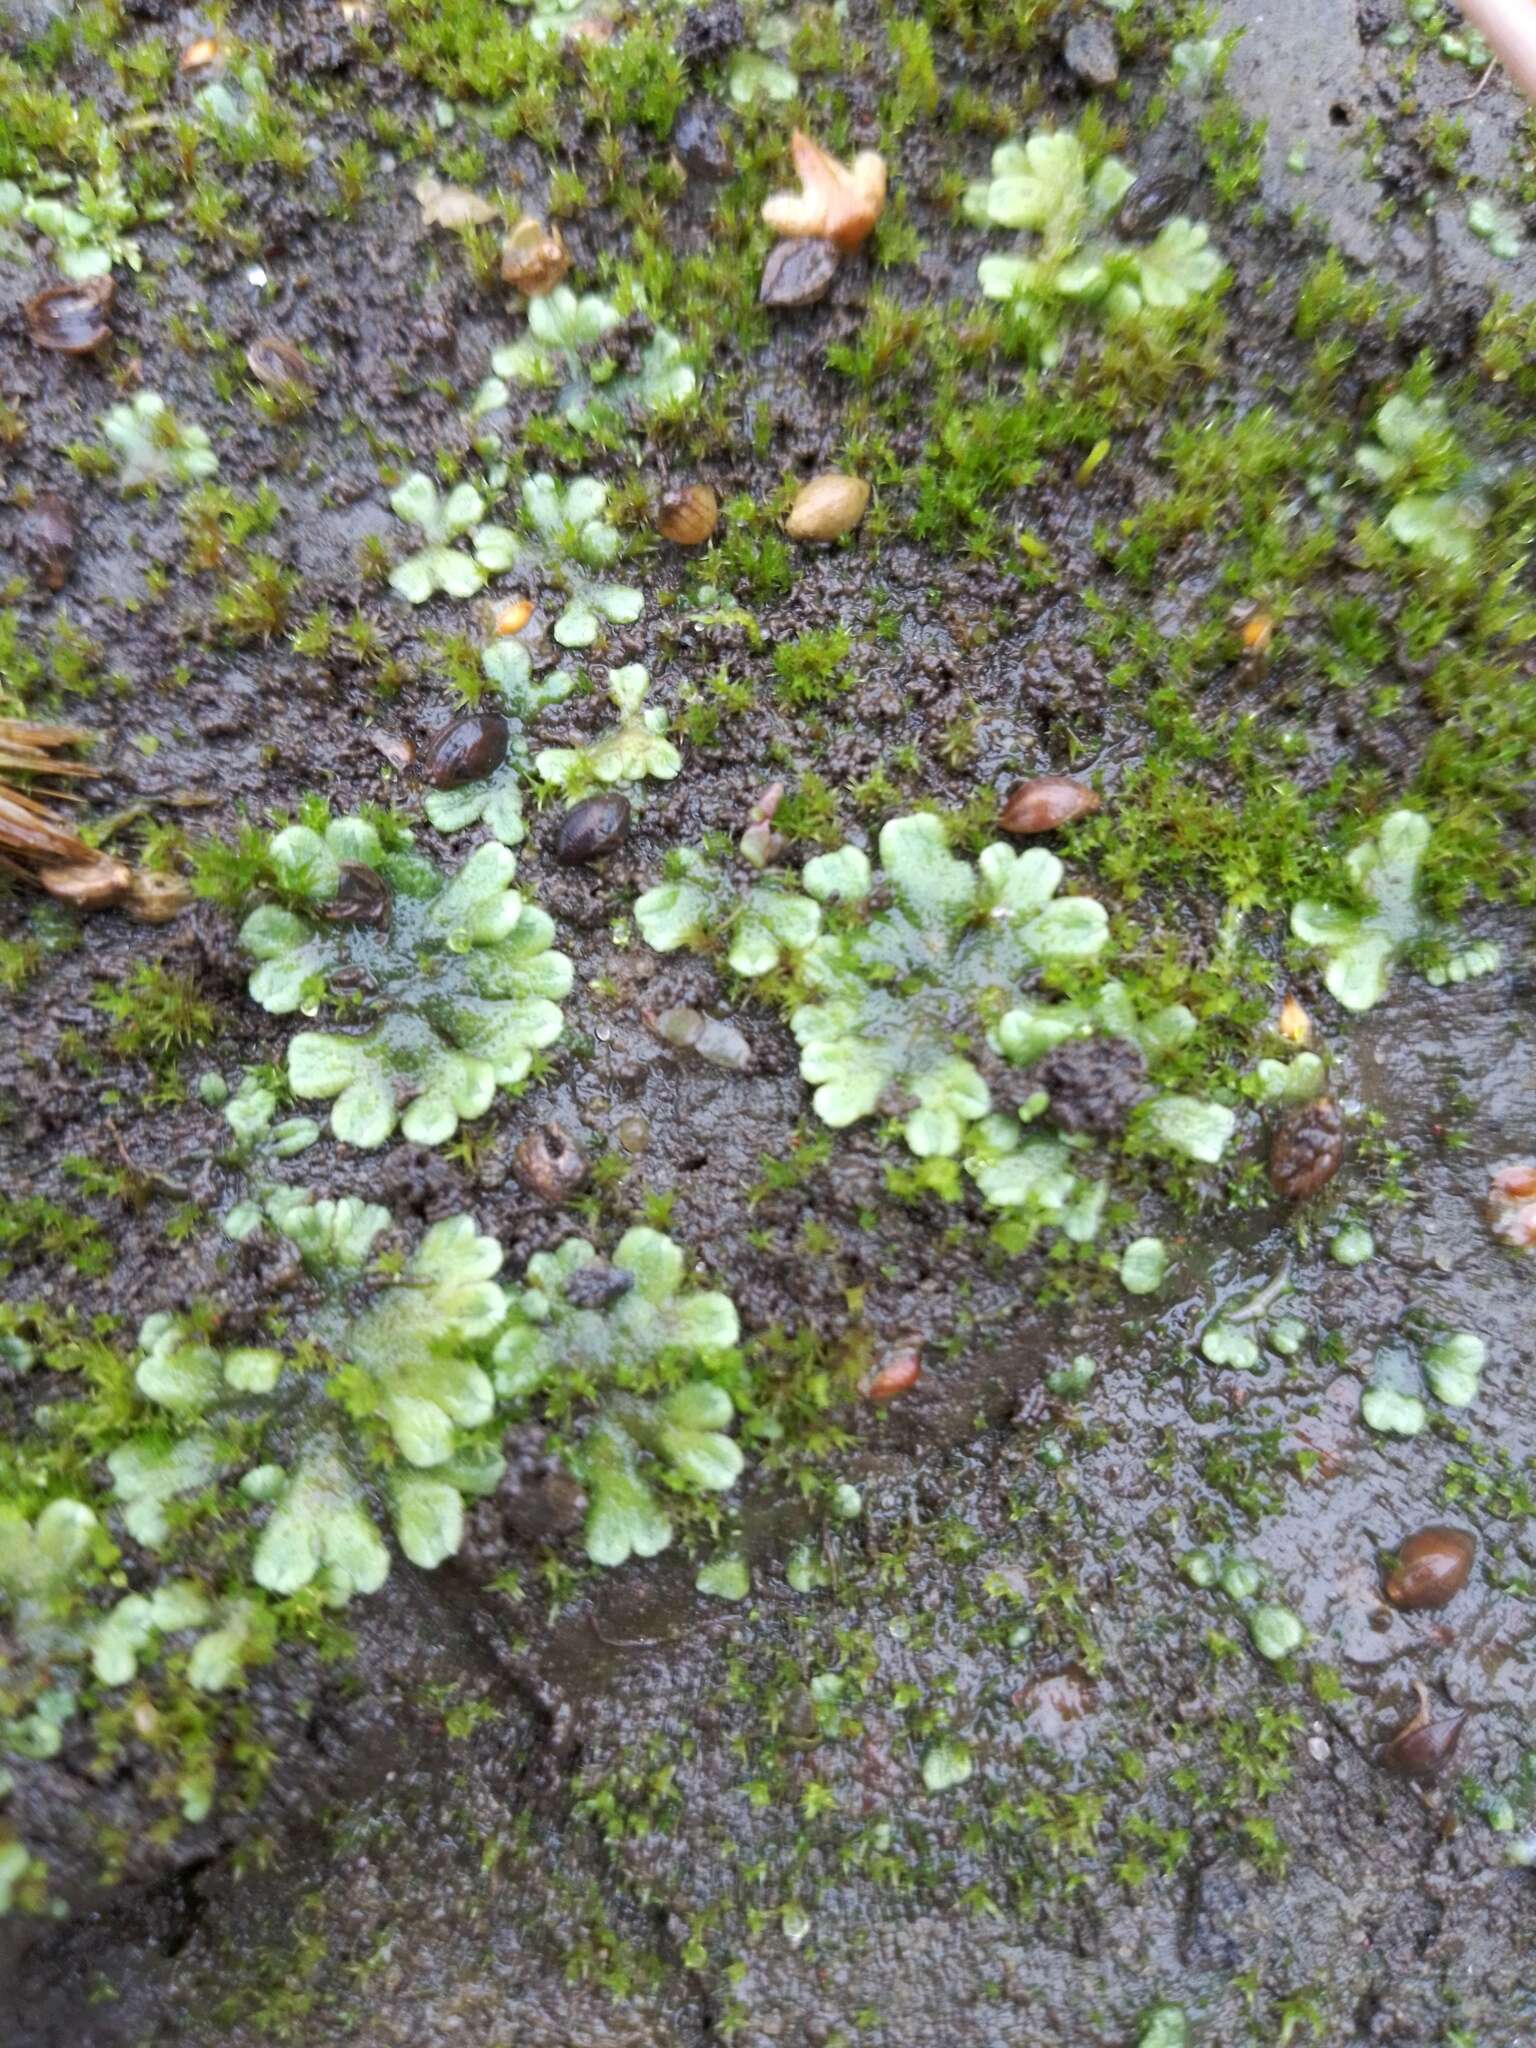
column 146, row 1173
column 1463, row 99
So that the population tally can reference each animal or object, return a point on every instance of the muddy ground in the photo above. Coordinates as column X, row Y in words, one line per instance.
column 606, row 1807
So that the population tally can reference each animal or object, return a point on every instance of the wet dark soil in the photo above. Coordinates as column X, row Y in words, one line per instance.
column 666, row 1818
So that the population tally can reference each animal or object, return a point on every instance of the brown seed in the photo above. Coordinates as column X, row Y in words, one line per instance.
column 1431, row 1568
column 799, row 272
column 897, row 1373
column 199, row 55
column 362, row 896
column 593, row 829
column 1150, row 202
column 277, row 364
column 467, row 750
column 827, row 507
column 549, row 1163
column 70, row 319
column 1424, row 1747
column 1307, row 1149
column 513, row 617
column 687, row 514
column 1045, row 803
column 533, row 257
column 46, row 538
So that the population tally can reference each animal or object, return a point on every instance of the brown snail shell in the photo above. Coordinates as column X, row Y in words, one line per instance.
column 1431, row 1567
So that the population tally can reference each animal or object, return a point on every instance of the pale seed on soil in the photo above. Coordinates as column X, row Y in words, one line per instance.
column 827, row 507
column 687, row 514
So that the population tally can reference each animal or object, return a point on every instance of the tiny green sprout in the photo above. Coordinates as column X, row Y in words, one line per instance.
column 1045, row 186
column 464, row 979
column 1286, row 1334
column 765, row 921
column 1275, row 1632
column 250, row 1112
column 1185, row 1124
column 403, row 1356
column 18, row 1868
column 794, row 1923
column 726, row 1578
column 1164, row 2026
column 87, row 235
column 565, row 537
column 1352, row 1246
column 1415, row 455
column 759, row 76
column 153, row 449
column 1468, row 965
column 1071, row 1380
column 234, row 106
column 554, row 21
column 559, row 353
column 439, row 565
column 1223, row 1344
column 626, row 1363
column 1364, row 945
column 1143, row 1265
column 1497, row 226
column 1196, row 64
column 1390, row 1413
column 1453, row 1366
column 631, row 751
column 1240, row 1578
column 1292, row 1081
column 945, row 1765
column 1200, row 1567
column 900, row 989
